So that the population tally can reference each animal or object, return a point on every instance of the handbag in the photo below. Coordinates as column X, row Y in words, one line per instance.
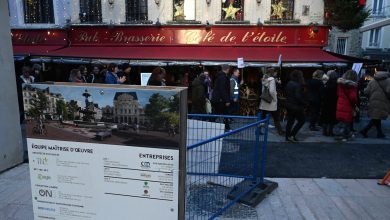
column 266, row 95
column 208, row 106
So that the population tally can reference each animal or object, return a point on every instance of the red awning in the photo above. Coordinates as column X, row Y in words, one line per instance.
column 200, row 53
column 42, row 50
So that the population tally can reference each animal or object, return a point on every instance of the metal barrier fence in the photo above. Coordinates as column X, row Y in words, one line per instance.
column 222, row 165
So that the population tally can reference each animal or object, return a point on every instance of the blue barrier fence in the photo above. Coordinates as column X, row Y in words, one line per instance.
column 221, row 161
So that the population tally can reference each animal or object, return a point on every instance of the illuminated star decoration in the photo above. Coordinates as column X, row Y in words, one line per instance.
column 311, row 33
column 179, row 10
column 231, row 11
column 278, row 10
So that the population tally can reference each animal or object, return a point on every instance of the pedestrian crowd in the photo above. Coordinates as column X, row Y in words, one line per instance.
column 329, row 100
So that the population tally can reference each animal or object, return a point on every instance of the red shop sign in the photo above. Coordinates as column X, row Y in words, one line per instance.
column 215, row 36
column 39, row 37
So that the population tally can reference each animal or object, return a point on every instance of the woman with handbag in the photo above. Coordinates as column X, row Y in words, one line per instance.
column 269, row 100
column 378, row 92
column 295, row 104
column 346, row 102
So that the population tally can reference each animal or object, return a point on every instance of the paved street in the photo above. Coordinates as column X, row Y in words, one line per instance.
column 293, row 199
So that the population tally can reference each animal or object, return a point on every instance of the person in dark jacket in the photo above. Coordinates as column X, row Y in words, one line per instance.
column 378, row 92
column 329, row 101
column 347, row 99
column 198, row 96
column 126, row 71
column 157, row 77
column 234, row 107
column 314, row 89
column 295, row 103
column 221, row 94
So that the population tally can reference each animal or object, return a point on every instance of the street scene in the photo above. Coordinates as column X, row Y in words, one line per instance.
column 188, row 110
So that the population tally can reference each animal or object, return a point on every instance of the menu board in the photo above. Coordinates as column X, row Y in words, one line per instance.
column 119, row 163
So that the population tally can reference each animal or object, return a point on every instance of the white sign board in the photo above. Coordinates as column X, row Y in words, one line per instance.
column 357, row 67
column 79, row 181
column 144, row 78
column 240, row 62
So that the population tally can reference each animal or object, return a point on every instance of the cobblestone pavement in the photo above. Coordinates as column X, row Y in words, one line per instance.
column 293, row 199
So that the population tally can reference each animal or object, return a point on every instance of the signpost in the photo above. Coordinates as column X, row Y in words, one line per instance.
column 139, row 167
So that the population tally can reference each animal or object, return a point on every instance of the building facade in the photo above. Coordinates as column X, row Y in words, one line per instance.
column 59, row 13
column 376, row 32
column 30, row 96
column 127, row 108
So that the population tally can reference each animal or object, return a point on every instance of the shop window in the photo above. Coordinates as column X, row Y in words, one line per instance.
column 282, row 9
column 183, row 10
column 90, row 11
column 232, row 10
column 374, row 37
column 341, row 47
column 136, row 10
column 378, row 8
column 38, row 11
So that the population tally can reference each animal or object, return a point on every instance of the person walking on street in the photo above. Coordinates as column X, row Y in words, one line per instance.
column 315, row 87
column 157, row 77
column 221, row 94
column 378, row 92
column 329, row 103
column 198, row 96
column 234, row 92
column 269, row 83
column 295, row 103
column 346, row 102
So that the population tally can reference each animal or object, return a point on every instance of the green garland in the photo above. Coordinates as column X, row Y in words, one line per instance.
column 345, row 14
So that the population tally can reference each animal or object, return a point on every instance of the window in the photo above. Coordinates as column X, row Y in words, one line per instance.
column 232, row 10
column 136, row 10
column 90, row 11
column 282, row 9
column 377, row 7
column 38, row 11
column 374, row 37
column 183, row 10
column 341, row 47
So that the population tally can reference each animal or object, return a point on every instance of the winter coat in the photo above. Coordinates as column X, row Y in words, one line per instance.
column 315, row 88
column 294, row 96
column 111, row 78
column 328, row 113
column 271, row 84
column 378, row 103
column 221, row 92
column 347, row 99
column 198, row 96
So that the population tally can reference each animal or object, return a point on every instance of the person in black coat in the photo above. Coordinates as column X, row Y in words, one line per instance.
column 221, row 94
column 329, row 103
column 314, row 93
column 295, row 103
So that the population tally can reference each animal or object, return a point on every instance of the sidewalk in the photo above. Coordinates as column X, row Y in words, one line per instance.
column 293, row 199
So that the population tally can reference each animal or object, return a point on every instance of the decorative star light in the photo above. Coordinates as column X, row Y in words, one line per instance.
column 179, row 10
column 278, row 9
column 231, row 11
column 311, row 33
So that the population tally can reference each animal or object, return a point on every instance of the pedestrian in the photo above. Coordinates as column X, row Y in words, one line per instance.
column 89, row 77
column 220, row 100
column 378, row 92
column 295, row 104
column 26, row 78
column 269, row 83
column 346, row 102
column 75, row 76
column 314, row 93
column 157, row 77
column 126, row 70
column 198, row 96
column 37, row 73
column 208, row 83
column 98, row 76
column 234, row 92
column 111, row 75
column 329, row 103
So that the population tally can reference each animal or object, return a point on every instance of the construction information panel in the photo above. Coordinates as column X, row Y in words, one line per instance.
column 106, row 152
column 73, row 180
